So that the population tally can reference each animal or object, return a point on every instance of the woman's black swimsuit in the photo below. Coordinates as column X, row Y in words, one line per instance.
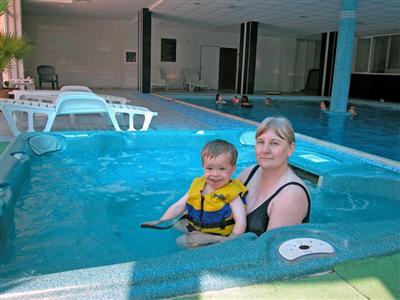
column 258, row 219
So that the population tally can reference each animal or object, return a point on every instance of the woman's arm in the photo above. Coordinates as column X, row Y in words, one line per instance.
column 288, row 208
column 244, row 174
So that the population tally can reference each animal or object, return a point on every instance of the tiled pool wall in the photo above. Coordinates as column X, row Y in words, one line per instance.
column 244, row 261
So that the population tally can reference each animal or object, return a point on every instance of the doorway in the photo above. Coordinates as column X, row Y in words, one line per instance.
column 218, row 67
column 227, row 68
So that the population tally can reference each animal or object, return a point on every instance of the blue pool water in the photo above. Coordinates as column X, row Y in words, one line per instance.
column 81, row 208
column 374, row 130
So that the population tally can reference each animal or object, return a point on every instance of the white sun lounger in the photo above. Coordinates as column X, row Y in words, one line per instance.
column 51, row 95
column 158, row 80
column 191, row 79
column 72, row 103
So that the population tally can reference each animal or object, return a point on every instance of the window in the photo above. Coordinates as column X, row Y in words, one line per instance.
column 130, row 56
column 378, row 54
column 168, row 50
column 394, row 59
column 362, row 55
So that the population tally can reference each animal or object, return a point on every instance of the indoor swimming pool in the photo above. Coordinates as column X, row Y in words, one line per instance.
column 375, row 129
column 70, row 217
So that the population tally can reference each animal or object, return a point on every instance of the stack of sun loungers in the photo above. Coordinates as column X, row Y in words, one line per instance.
column 72, row 101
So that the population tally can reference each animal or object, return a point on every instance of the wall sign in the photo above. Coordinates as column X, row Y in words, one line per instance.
column 168, row 50
column 130, row 56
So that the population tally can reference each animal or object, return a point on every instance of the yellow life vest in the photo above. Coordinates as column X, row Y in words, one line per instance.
column 211, row 213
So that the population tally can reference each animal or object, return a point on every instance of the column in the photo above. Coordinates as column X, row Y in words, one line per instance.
column 247, row 57
column 144, row 51
column 344, row 55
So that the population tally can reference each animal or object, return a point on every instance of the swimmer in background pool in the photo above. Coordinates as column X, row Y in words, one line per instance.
column 219, row 99
column 268, row 101
column 352, row 109
column 235, row 100
column 245, row 102
column 324, row 105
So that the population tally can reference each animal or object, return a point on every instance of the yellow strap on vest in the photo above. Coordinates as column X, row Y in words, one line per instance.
column 217, row 199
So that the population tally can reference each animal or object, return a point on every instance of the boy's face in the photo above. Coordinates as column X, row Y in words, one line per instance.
column 218, row 170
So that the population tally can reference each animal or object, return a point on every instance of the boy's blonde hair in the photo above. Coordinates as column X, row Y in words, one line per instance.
column 280, row 125
column 217, row 147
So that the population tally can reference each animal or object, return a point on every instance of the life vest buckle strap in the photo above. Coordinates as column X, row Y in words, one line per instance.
column 222, row 224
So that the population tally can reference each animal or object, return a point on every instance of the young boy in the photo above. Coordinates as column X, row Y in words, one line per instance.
column 214, row 204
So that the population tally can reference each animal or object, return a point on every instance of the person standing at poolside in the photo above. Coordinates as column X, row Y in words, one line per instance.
column 214, row 204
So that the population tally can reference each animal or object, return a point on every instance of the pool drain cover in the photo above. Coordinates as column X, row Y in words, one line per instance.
column 297, row 248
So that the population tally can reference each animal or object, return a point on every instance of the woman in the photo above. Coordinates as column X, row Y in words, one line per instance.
column 245, row 102
column 277, row 197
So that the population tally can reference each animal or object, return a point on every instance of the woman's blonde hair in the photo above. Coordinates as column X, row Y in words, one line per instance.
column 215, row 148
column 281, row 126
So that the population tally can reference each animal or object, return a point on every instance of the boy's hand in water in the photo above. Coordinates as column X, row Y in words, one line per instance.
column 152, row 223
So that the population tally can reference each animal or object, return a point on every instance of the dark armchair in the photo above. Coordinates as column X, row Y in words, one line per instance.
column 47, row 74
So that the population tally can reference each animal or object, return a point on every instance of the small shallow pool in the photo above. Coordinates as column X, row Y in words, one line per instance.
column 375, row 129
column 70, row 218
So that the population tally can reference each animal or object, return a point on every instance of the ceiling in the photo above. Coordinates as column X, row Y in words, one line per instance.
column 284, row 18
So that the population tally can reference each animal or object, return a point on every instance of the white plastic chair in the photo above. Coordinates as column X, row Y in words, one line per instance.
column 158, row 80
column 191, row 79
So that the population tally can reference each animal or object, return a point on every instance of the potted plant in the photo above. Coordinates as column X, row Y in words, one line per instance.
column 11, row 47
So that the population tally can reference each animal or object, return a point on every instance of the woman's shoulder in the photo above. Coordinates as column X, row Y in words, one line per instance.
column 294, row 184
column 293, row 177
column 244, row 174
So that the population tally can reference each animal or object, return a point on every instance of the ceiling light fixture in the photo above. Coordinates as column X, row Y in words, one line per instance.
column 157, row 3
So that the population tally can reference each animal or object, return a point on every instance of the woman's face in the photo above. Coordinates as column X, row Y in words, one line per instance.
column 271, row 150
